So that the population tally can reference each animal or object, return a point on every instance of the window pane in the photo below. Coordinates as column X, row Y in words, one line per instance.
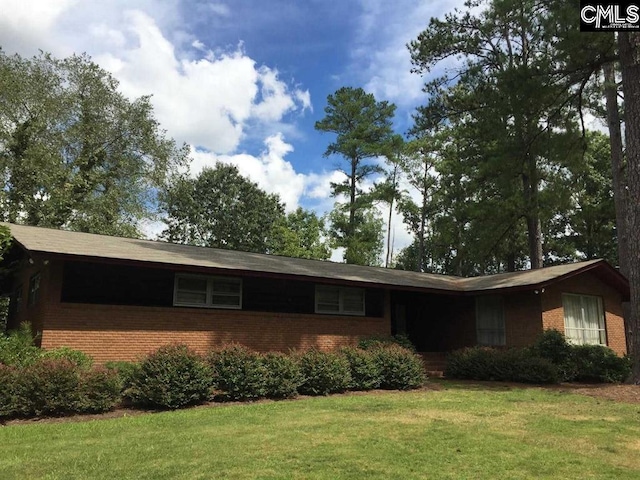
column 353, row 300
column 193, row 298
column 490, row 320
column 193, row 284
column 226, row 300
column 328, row 299
column 583, row 319
column 226, row 286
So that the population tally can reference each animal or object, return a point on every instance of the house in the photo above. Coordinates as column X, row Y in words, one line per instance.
column 119, row 298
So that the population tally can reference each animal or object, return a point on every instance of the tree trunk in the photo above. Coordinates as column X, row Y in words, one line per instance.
column 619, row 182
column 629, row 45
column 532, row 216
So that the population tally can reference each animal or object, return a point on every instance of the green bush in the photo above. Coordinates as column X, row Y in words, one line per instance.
column 77, row 357
column 323, row 372
column 510, row 365
column 99, row 390
column 172, row 377
column 471, row 363
column 17, row 347
column 283, row 375
column 401, row 369
column 374, row 341
column 553, row 346
column 596, row 363
column 8, row 378
column 238, row 373
column 48, row 387
column 126, row 372
column 366, row 371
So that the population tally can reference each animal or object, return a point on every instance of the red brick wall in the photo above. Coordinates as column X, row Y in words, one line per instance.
column 114, row 332
column 586, row 284
column 522, row 318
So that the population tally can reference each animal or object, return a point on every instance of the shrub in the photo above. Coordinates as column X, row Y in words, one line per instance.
column 596, row 363
column 48, row 387
column 77, row 357
column 283, row 375
column 126, row 372
column 401, row 369
column 239, row 373
column 8, row 377
column 374, row 341
column 172, row 377
column 18, row 348
column 513, row 365
column 99, row 390
column 472, row 363
column 323, row 372
column 366, row 371
column 553, row 346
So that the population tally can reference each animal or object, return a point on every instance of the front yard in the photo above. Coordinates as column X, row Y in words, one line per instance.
column 457, row 431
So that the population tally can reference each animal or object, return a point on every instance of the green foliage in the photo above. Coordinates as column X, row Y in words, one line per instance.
column 401, row 368
column 126, row 372
column 323, row 372
column 377, row 340
column 366, row 371
column 100, row 390
column 597, row 363
column 301, row 235
column 17, row 347
column 553, row 346
column 363, row 243
column 8, row 400
column 283, row 375
column 172, row 377
column 56, row 386
column 363, row 129
column 239, row 373
column 77, row 357
column 75, row 152
column 516, row 365
column 220, row 208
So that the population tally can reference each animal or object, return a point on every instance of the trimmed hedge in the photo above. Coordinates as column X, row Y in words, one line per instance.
column 400, row 368
column 515, row 365
column 374, row 341
column 366, row 370
column 596, row 363
column 323, row 372
column 172, row 377
column 284, row 376
column 17, row 347
column 238, row 373
column 56, row 387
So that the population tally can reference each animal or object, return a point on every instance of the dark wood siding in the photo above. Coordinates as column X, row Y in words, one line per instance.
column 85, row 282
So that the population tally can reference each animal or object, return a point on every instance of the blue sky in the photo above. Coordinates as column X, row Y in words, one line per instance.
column 241, row 81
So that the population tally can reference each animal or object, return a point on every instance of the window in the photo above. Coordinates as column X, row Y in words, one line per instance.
column 339, row 300
column 490, row 320
column 34, row 289
column 208, row 292
column 584, row 319
column 17, row 299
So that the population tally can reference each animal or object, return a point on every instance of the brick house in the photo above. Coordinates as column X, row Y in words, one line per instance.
column 119, row 298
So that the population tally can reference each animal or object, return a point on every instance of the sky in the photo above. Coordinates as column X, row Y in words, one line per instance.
column 242, row 81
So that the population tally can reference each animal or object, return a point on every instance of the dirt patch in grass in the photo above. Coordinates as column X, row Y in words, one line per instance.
column 617, row 393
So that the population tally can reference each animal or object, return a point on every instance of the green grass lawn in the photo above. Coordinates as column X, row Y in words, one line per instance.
column 461, row 431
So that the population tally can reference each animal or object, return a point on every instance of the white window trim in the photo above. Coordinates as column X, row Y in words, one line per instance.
column 210, row 292
column 341, row 310
column 602, row 319
column 504, row 330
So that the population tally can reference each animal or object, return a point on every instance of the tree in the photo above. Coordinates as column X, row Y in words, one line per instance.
column 74, row 152
column 301, row 234
column 365, row 243
column 504, row 91
column 629, row 45
column 222, row 209
column 363, row 128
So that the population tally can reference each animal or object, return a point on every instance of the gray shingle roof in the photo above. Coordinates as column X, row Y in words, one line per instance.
column 87, row 246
